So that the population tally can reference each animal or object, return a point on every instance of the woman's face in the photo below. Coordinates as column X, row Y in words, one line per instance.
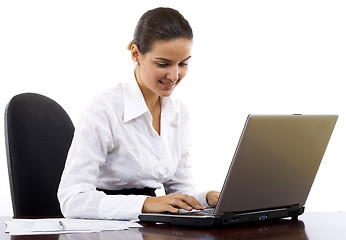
column 160, row 70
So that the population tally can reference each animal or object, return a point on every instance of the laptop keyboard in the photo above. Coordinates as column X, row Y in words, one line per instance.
column 205, row 212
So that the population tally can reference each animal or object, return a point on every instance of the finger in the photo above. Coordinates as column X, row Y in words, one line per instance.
column 194, row 203
column 190, row 201
column 172, row 209
column 179, row 204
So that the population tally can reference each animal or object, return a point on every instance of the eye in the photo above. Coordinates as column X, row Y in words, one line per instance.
column 183, row 64
column 162, row 64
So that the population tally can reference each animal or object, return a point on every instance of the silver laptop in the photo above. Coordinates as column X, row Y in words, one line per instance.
column 271, row 174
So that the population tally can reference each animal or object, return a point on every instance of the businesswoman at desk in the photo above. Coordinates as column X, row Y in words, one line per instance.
column 133, row 138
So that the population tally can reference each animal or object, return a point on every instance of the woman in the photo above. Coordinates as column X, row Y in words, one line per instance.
column 133, row 138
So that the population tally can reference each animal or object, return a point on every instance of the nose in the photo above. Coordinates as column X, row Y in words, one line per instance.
column 173, row 74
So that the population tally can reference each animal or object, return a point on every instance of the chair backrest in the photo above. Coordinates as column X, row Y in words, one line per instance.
column 38, row 135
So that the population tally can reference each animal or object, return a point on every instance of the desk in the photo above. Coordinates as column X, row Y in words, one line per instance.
column 309, row 226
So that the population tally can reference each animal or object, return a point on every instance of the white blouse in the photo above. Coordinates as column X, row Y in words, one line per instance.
column 115, row 147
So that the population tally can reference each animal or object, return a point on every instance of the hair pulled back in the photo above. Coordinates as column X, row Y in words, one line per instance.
column 160, row 24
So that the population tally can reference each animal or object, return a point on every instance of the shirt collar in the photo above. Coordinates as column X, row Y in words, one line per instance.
column 135, row 106
column 134, row 103
column 169, row 111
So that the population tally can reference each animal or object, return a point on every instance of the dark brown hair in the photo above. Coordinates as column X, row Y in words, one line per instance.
column 160, row 24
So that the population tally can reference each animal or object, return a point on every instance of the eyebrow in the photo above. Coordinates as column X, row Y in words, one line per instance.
column 167, row 60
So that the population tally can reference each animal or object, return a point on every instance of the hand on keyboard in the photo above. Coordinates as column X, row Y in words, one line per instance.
column 171, row 203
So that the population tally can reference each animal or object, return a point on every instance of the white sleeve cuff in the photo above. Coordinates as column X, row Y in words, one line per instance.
column 121, row 207
column 202, row 198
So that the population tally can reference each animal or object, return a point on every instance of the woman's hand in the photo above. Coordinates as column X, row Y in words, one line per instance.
column 171, row 203
column 212, row 198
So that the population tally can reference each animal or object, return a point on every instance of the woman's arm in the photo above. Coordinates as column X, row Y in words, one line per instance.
column 77, row 192
column 182, row 181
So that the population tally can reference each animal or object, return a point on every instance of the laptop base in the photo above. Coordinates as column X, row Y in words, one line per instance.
column 227, row 219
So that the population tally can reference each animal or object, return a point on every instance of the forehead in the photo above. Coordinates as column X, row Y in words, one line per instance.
column 176, row 49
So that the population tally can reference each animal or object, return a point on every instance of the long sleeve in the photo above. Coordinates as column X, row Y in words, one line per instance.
column 183, row 180
column 77, row 192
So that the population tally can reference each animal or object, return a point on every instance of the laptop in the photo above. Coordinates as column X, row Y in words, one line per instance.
column 271, row 174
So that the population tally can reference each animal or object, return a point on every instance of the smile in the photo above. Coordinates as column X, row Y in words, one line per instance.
column 168, row 83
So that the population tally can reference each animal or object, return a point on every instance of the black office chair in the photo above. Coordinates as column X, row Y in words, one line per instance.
column 38, row 135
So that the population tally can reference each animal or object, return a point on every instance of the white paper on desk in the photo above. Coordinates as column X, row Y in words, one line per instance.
column 52, row 226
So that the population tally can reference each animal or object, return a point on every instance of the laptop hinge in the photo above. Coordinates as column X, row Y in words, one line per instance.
column 292, row 210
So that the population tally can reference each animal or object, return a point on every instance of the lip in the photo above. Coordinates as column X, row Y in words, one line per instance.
column 168, row 85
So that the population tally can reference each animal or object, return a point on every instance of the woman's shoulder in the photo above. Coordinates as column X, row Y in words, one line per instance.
column 110, row 94
column 106, row 100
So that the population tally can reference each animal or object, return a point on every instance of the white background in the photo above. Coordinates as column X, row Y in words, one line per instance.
column 248, row 57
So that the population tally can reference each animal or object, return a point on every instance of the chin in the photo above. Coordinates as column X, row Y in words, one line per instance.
column 167, row 94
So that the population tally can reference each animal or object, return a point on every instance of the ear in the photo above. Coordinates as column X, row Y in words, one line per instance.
column 135, row 54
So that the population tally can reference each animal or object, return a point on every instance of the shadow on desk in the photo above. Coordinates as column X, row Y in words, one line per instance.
column 280, row 229
column 311, row 225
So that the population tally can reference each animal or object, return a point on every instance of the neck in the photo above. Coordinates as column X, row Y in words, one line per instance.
column 153, row 104
column 151, row 99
